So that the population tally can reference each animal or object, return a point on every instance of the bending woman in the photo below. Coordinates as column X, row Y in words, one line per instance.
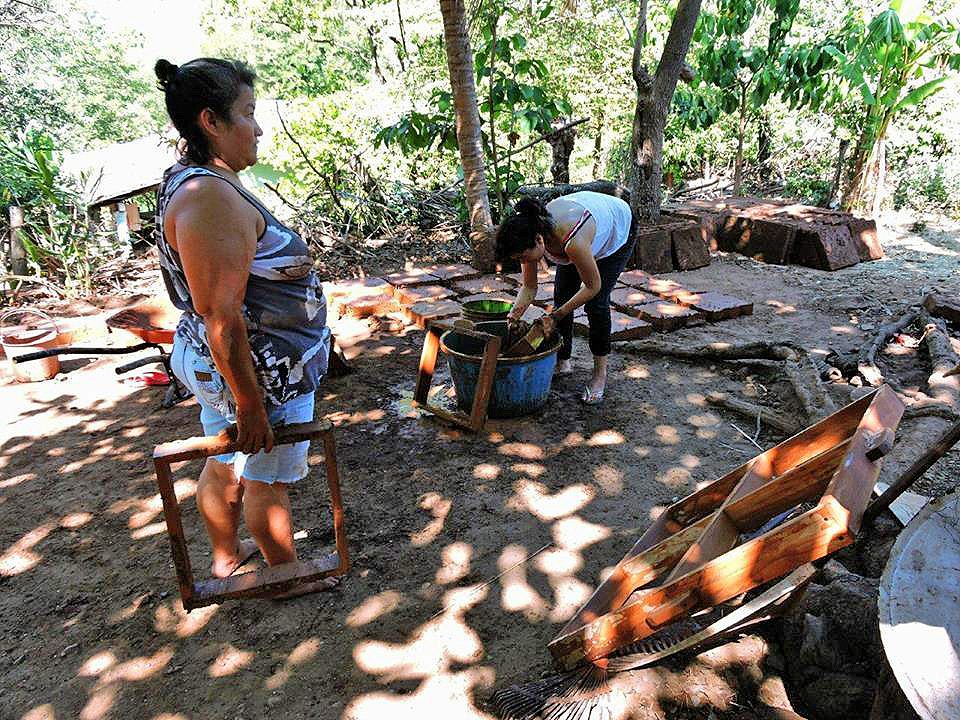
column 588, row 235
column 252, row 343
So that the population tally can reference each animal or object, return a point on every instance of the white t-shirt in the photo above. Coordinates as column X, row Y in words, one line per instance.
column 612, row 217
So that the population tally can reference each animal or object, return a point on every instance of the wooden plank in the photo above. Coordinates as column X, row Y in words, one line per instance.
column 805, row 539
column 178, row 543
column 721, row 533
column 802, row 466
column 801, row 447
column 336, row 502
column 210, row 445
column 806, row 481
column 428, row 363
column 853, row 483
column 485, row 378
column 265, row 581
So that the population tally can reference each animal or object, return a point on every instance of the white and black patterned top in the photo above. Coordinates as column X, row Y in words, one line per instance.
column 284, row 306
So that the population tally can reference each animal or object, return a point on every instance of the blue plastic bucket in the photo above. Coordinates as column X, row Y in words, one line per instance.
column 520, row 385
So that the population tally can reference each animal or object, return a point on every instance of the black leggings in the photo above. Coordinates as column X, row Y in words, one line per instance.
column 567, row 283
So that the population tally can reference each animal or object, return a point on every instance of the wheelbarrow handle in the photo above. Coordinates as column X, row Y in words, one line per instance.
column 40, row 354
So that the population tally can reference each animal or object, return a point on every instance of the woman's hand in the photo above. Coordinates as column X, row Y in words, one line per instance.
column 549, row 323
column 253, row 428
column 525, row 297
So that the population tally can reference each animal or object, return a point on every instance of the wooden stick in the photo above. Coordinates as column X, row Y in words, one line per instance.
column 748, row 409
column 913, row 473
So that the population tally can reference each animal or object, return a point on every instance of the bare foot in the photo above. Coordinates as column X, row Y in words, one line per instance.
column 593, row 393
column 222, row 568
column 319, row 586
column 564, row 367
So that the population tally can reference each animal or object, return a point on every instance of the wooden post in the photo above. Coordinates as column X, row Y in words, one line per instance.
column 18, row 252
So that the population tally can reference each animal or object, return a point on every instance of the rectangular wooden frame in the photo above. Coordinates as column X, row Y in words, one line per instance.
column 690, row 559
column 428, row 362
column 267, row 581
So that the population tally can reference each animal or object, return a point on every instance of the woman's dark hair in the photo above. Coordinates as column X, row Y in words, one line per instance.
column 519, row 229
column 199, row 84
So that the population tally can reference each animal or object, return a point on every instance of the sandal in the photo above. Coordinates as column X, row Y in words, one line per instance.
column 589, row 397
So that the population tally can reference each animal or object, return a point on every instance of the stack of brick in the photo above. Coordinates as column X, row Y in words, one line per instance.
column 779, row 232
column 674, row 243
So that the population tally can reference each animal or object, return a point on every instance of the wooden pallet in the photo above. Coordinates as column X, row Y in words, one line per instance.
column 691, row 558
column 428, row 363
column 268, row 581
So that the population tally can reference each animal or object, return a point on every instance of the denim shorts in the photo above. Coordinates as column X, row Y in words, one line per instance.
column 285, row 463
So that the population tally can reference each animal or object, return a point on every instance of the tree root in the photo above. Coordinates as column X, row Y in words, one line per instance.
column 867, row 359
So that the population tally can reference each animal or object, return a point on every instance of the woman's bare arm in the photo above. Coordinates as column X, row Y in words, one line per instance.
column 528, row 291
column 216, row 236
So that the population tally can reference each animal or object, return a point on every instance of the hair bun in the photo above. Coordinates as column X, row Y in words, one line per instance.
column 531, row 207
column 165, row 71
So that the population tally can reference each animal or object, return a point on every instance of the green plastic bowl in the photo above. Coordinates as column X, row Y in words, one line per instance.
column 486, row 310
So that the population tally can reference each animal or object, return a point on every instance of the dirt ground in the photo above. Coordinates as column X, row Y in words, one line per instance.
column 92, row 623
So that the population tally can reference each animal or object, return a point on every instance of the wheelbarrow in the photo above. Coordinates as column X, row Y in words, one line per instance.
column 153, row 321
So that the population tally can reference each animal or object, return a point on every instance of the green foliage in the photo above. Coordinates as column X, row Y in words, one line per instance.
column 514, row 101
column 61, row 72
column 299, row 48
column 55, row 236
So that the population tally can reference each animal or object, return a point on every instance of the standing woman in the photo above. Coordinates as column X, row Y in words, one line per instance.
column 252, row 343
column 588, row 235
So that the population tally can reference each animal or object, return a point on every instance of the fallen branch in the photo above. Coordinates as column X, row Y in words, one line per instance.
column 867, row 359
column 749, row 410
column 943, row 358
column 720, row 351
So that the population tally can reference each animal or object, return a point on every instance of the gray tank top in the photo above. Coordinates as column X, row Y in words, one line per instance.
column 284, row 307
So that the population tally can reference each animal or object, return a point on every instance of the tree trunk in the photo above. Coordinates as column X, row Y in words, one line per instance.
column 835, row 185
column 763, row 142
column 561, row 143
column 18, row 253
column 460, row 66
column 598, row 146
column 654, row 95
column 741, row 131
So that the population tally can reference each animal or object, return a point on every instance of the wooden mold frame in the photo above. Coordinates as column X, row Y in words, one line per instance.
column 691, row 558
column 268, row 581
column 428, row 363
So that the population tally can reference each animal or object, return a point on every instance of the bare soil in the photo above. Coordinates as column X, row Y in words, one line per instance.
column 93, row 627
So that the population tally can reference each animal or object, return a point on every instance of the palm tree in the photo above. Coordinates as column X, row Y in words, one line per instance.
column 460, row 65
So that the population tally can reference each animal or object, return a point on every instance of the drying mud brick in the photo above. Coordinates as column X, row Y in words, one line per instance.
column 627, row 297
column 412, row 278
column 341, row 294
column 666, row 316
column 634, row 278
column 422, row 313
column 654, row 251
column 542, row 276
column 708, row 223
column 943, row 307
column 715, row 306
column 689, row 249
column 627, row 327
column 763, row 240
column 824, row 247
column 865, row 238
column 661, row 286
column 458, row 271
column 544, row 294
column 422, row 293
column 485, row 284
column 368, row 305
